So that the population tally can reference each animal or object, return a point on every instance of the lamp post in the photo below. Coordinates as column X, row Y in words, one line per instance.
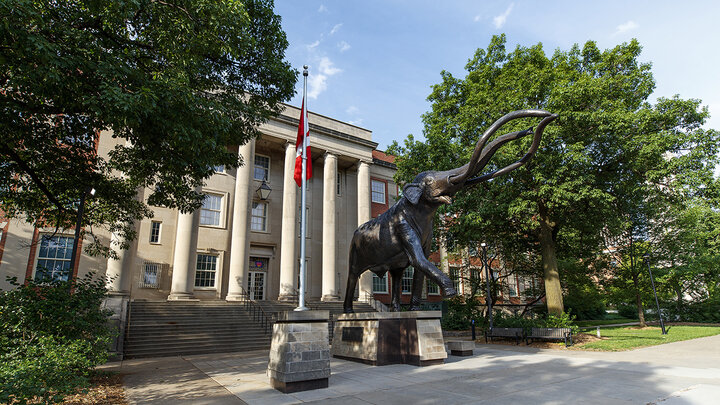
column 646, row 256
column 488, row 299
column 78, row 224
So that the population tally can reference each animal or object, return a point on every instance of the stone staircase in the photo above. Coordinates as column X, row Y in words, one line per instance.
column 163, row 328
column 158, row 329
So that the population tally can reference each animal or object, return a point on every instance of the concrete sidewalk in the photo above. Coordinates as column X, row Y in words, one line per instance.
column 678, row 373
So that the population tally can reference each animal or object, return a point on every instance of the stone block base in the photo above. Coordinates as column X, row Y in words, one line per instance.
column 297, row 386
column 382, row 338
column 299, row 352
column 461, row 347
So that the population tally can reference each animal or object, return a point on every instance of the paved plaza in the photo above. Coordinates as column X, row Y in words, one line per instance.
column 672, row 374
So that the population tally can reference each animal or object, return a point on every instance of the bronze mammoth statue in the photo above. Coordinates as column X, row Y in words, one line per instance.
column 402, row 235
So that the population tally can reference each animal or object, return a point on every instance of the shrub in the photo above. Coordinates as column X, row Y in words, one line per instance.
column 52, row 335
column 564, row 320
column 627, row 311
column 701, row 311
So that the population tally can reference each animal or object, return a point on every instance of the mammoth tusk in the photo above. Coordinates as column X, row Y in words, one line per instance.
column 533, row 148
column 474, row 165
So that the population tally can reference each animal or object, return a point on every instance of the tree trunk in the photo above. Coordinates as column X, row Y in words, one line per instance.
column 553, row 290
column 638, row 300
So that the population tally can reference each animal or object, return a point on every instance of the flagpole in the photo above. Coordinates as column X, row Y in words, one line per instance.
column 303, row 218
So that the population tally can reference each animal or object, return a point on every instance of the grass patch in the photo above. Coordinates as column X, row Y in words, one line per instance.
column 601, row 322
column 626, row 338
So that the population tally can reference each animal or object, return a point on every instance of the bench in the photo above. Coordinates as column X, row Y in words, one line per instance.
column 461, row 347
column 564, row 334
column 514, row 333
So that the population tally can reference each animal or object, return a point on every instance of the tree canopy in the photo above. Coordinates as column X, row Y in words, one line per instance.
column 176, row 82
column 607, row 138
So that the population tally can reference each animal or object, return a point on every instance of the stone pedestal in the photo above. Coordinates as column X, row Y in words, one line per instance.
column 300, row 353
column 381, row 338
column 461, row 347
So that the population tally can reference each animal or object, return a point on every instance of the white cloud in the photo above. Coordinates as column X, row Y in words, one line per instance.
column 628, row 26
column 335, row 28
column 322, row 9
column 358, row 122
column 313, row 45
column 317, row 82
column 499, row 20
column 477, row 18
column 343, row 46
column 352, row 110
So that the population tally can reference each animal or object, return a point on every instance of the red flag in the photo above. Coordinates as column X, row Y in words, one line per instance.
column 303, row 133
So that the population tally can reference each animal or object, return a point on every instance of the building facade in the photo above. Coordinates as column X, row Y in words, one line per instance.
column 242, row 241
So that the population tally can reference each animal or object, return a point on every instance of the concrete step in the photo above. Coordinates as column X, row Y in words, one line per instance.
column 194, row 349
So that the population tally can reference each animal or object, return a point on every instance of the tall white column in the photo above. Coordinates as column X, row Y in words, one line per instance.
column 288, row 258
column 329, row 246
column 119, row 271
column 185, row 255
column 240, row 243
column 364, row 215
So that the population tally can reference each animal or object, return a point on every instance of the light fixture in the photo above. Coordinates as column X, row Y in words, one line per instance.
column 263, row 191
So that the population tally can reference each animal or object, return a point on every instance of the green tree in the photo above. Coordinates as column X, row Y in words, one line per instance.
column 176, row 82
column 607, row 134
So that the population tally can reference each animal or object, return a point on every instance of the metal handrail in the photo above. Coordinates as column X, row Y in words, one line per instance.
column 255, row 309
column 376, row 304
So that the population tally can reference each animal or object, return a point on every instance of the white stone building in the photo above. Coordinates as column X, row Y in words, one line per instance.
column 238, row 242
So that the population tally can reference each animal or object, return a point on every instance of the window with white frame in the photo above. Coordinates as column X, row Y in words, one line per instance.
column 258, row 217
column 378, row 191
column 407, row 280
column 432, row 288
column 205, row 271
column 155, row 232
column 53, row 260
column 380, row 284
column 219, row 169
column 262, row 168
column 512, row 285
column 211, row 211
column 455, row 277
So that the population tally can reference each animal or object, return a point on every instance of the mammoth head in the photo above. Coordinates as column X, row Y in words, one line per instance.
column 439, row 187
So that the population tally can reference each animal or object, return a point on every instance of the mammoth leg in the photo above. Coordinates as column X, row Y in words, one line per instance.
column 417, row 288
column 416, row 255
column 396, row 281
column 350, row 292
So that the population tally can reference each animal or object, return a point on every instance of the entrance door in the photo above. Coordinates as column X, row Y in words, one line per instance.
column 256, row 284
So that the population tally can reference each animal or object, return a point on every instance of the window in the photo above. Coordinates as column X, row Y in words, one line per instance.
column 151, row 275
column 455, row 277
column 432, row 288
column 155, row 232
column 407, row 280
column 378, row 191
column 380, row 284
column 211, row 210
column 512, row 285
column 258, row 219
column 205, row 271
column 54, row 258
column 219, row 169
column 340, row 181
column 262, row 167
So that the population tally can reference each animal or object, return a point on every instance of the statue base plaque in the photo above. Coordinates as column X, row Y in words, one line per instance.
column 382, row 338
column 299, row 352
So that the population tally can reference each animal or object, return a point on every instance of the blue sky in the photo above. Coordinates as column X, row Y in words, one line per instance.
column 372, row 62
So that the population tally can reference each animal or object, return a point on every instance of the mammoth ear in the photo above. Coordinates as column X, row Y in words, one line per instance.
column 412, row 191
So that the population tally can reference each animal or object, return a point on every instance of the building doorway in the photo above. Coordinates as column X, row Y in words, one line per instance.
column 257, row 277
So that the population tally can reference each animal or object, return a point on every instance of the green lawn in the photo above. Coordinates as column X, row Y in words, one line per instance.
column 626, row 338
column 601, row 322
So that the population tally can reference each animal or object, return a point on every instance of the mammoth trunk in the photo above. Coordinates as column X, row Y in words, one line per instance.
column 553, row 290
